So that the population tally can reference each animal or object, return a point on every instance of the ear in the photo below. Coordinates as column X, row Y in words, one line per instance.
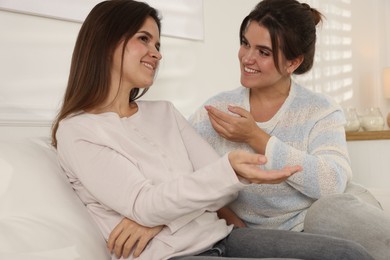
column 292, row 65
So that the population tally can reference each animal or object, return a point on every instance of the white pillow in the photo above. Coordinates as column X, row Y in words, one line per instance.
column 40, row 215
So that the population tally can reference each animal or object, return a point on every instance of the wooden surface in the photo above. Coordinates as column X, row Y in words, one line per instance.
column 368, row 135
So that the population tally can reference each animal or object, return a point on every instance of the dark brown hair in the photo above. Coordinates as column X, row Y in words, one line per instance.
column 108, row 23
column 292, row 28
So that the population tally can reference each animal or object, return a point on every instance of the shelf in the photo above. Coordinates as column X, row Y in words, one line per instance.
column 368, row 135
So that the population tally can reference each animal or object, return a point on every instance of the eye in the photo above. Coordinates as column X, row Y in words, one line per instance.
column 144, row 38
column 244, row 42
column 264, row 53
column 157, row 46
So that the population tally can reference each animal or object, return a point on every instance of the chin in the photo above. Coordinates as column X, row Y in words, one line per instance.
column 247, row 84
column 147, row 84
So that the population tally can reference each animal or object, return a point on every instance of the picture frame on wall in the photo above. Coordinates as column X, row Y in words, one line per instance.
column 183, row 19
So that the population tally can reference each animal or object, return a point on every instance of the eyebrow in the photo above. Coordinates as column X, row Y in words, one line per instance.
column 258, row 46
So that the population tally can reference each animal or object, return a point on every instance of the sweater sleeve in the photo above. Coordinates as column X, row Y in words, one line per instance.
column 117, row 182
column 326, row 167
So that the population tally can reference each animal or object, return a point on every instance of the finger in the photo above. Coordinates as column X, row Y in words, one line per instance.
column 269, row 180
column 144, row 240
column 141, row 245
column 118, row 247
column 287, row 171
column 113, row 237
column 131, row 242
column 293, row 169
column 277, row 176
column 232, row 127
column 239, row 111
column 260, row 176
column 250, row 158
column 225, row 129
column 220, row 114
column 121, row 241
column 217, row 125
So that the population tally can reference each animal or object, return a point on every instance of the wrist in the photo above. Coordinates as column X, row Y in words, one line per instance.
column 258, row 140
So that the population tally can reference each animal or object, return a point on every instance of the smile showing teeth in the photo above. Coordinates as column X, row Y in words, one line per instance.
column 246, row 69
column 148, row 65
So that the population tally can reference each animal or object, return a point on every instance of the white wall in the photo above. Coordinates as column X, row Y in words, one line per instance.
column 35, row 55
column 371, row 51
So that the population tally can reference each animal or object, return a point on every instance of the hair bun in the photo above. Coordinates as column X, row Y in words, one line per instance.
column 317, row 16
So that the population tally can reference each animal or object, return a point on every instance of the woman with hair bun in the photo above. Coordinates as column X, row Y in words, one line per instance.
column 273, row 115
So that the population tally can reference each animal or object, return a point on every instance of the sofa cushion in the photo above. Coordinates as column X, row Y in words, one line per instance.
column 40, row 215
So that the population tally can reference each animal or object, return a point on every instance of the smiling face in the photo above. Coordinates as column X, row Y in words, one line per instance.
column 258, row 69
column 140, row 59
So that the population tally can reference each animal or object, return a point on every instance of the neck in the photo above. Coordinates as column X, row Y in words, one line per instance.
column 279, row 91
column 117, row 102
column 266, row 102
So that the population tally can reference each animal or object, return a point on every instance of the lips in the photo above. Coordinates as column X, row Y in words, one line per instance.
column 250, row 71
column 149, row 65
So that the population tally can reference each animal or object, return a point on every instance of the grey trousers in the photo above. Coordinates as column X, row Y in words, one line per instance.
column 355, row 215
column 248, row 243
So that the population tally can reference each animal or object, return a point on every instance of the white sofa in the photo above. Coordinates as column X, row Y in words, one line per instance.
column 370, row 160
column 41, row 218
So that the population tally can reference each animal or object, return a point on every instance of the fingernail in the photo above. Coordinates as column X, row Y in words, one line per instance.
column 262, row 159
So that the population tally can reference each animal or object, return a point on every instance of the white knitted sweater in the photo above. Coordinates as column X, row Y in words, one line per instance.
column 308, row 130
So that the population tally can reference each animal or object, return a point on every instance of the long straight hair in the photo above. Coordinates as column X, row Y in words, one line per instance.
column 108, row 23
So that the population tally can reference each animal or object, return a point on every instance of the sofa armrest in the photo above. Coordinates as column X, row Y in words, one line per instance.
column 40, row 215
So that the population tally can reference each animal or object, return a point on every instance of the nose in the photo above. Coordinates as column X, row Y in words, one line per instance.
column 155, row 53
column 248, row 56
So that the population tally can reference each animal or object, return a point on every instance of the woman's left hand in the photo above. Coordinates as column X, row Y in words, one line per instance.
column 128, row 235
column 230, row 217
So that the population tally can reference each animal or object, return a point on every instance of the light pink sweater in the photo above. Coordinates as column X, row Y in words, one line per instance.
column 153, row 168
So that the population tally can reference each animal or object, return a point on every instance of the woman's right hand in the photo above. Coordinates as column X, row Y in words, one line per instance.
column 246, row 165
column 129, row 235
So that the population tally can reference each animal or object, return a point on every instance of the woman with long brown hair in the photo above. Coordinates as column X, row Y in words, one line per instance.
column 142, row 161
